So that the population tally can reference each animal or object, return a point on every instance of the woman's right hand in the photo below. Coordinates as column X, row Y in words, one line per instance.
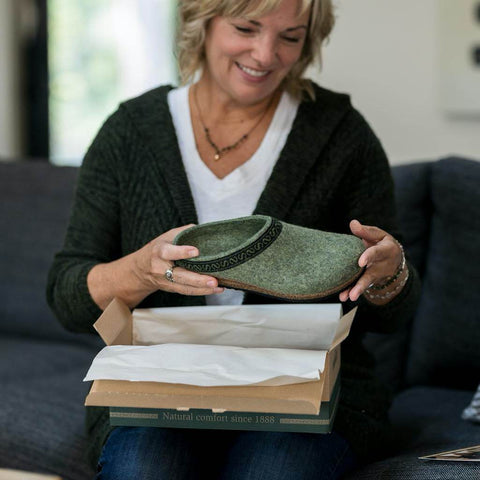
column 159, row 255
column 137, row 275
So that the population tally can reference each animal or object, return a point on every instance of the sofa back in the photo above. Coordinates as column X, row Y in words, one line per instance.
column 438, row 211
column 35, row 201
column 445, row 336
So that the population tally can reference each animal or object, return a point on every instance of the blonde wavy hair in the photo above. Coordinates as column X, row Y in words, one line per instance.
column 194, row 16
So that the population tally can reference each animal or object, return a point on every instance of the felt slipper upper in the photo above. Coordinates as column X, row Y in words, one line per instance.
column 262, row 254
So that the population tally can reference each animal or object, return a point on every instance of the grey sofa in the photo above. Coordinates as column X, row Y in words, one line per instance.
column 432, row 365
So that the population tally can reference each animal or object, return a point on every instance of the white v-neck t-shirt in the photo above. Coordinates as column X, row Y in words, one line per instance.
column 237, row 194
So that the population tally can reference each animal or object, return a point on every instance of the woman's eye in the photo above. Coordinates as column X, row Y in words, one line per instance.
column 291, row 39
column 243, row 29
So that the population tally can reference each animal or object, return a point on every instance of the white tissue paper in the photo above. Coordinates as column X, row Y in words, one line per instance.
column 301, row 326
column 206, row 365
column 223, row 346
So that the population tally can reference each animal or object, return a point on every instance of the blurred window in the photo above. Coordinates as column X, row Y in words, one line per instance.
column 101, row 52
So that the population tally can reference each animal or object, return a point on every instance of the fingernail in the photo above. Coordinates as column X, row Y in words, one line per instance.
column 212, row 283
column 193, row 252
column 218, row 290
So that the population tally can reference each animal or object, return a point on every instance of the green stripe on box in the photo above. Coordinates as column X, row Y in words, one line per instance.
column 206, row 419
column 118, row 414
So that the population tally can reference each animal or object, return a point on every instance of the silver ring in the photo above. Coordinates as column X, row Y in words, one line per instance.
column 169, row 273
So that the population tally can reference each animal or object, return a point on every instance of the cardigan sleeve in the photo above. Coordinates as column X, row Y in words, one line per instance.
column 93, row 233
column 368, row 196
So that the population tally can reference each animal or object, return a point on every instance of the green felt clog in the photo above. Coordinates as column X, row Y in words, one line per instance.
column 264, row 255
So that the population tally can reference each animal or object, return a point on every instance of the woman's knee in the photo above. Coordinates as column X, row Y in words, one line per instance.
column 145, row 453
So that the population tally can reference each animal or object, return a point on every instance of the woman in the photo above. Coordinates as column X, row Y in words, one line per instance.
column 249, row 136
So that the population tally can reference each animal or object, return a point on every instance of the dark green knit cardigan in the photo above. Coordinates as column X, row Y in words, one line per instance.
column 132, row 187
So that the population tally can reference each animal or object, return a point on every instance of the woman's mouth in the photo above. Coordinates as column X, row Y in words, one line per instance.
column 252, row 72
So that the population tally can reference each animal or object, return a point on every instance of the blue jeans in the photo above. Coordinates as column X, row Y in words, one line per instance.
column 160, row 453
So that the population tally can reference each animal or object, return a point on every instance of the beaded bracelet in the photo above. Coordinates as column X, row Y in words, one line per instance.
column 390, row 280
column 390, row 292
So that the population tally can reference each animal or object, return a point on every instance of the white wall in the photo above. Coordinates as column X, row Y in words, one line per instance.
column 10, row 109
column 384, row 53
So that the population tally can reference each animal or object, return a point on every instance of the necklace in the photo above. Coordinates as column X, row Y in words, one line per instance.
column 220, row 152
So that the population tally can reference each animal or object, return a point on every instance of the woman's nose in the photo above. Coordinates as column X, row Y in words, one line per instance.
column 264, row 51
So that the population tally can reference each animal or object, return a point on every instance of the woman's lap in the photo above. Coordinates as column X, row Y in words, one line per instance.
column 174, row 454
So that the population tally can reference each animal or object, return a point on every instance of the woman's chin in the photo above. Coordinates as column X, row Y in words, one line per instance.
column 251, row 95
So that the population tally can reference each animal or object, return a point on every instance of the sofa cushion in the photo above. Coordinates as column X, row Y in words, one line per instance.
column 24, row 358
column 42, row 412
column 35, row 201
column 445, row 336
column 426, row 420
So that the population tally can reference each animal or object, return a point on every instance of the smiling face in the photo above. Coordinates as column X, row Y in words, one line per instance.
column 248, row 58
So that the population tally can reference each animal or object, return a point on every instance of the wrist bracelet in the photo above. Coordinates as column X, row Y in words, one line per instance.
column 390, row 280
column 390, row 292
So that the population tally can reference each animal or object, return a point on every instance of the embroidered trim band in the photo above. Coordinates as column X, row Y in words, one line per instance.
column 239, row 257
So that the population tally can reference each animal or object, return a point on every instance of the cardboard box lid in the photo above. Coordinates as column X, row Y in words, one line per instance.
column 115, row 324
column 298, row 398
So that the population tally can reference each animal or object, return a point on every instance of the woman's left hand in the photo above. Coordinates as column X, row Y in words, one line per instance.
column 381, row 258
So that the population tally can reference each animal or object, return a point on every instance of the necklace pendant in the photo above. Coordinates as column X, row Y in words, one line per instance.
column 216, row 157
